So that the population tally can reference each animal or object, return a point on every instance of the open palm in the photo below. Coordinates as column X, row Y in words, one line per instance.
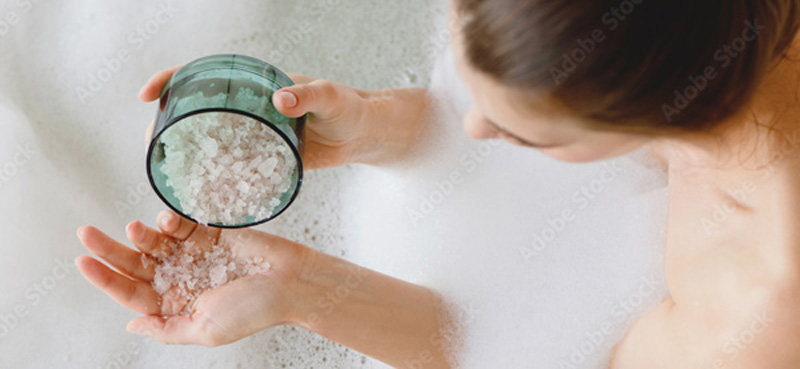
column 219, row 316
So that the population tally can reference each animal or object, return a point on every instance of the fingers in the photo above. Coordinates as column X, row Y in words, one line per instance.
column 198, row 238
column 135, row 295
column 175, row 330
column 321, row 98
column 118, row 255
column 148, row 240
column 175, row 225
column 152, row 89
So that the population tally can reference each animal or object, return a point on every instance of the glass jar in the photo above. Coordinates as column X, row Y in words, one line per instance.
column 233, row 84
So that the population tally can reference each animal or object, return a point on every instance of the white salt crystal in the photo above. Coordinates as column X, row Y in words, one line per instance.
column 226, row 159
column 255, row 162
column 210, row 147
column 268, row 166
column 243, row 188
column 225, row 168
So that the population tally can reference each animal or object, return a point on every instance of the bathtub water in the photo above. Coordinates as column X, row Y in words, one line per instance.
column 530, row 252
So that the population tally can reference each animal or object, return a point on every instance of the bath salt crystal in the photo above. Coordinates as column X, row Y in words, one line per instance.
column 243, row 187
column 219, row 274
column 185, row 272
column 267, row 167
column 226, row 168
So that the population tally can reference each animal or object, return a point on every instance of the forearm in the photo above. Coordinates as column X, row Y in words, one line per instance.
column 396, row 119
column 385, row 318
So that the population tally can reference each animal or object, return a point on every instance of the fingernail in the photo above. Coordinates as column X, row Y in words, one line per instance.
column 80, row 232
column 136, row 236
column 165, row 221
column 287, row 98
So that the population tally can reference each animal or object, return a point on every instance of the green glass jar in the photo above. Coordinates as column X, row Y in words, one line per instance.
column 228, row 83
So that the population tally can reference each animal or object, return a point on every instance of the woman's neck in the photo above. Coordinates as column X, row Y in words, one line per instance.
column 756, row 137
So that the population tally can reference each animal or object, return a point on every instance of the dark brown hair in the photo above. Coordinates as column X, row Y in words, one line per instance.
column 634, row 65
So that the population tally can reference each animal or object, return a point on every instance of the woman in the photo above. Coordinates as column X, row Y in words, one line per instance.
column 711, row 87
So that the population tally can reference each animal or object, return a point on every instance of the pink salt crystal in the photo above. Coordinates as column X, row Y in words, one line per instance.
column 188, row 271
column 243, row 187
column 255, row 162
column 218, row 275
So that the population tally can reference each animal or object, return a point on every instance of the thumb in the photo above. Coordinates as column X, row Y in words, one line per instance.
column 321, row 98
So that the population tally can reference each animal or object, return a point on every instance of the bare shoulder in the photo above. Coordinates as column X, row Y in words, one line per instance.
column 733, row 264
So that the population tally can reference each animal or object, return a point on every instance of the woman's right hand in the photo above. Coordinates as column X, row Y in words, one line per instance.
column 345, row 125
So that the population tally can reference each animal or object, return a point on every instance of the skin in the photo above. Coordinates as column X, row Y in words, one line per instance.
column 734, row 284
column 497, row 115
column 734, row 280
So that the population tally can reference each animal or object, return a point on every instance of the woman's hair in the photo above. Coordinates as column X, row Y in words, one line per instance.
column 652, row 66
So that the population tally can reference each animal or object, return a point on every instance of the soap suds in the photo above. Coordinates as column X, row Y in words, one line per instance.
column 226, row 168
column 187, row 271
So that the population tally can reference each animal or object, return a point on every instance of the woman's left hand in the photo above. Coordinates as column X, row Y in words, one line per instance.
column 221, row 315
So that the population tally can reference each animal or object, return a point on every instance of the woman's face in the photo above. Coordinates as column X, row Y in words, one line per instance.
column 495, row 115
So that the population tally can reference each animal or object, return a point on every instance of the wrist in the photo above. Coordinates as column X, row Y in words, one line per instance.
column 303, row 292
column 390, row 124
column 324, row 284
